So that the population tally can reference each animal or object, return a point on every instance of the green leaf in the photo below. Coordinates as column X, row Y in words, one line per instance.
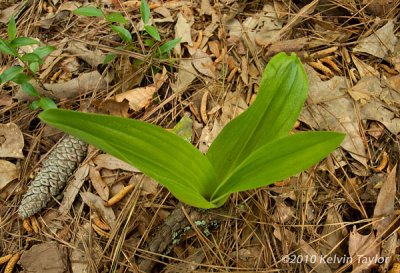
column 43, row 51
column 278, row 160
column 31, row 58
column 145, row 11
column 21, row 78
column 34, row 67
column 116, row 17
column 29, row 89
column 153, row 32
column 89, row 11
column 282, row 92
column 12, row 29
column 23, row 41
column 149, row 42
column 10, row 73
column 169, row 45
column 123, row 33
column 160, row 154
column 6, row 48
column 109, row 58
column 46, row 103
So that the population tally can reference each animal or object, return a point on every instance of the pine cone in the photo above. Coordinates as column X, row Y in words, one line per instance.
column 52, row 177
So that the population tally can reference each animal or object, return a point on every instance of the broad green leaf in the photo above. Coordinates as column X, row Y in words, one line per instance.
column 6, row 48
column 23, row 41
column 123, row 33
column 12, row 29
column 10, row 73
column 160, row 154
column 29, row 89
column 149, row 42
column 31, row 58
column 89, row 11
column 43, row 51
column 153, row 32
column 282, row 92
column 34, row 67
column 278, row 160
column 145, row 11
column 46, row 103
column 21, row 78
column 109, row 58
column 169, row 45
column 116, row 17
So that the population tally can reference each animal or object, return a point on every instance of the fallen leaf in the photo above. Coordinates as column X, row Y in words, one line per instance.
column 383, row 104
column 148, row 185
column 183, row 29
column 379, row 43
column 8, row 172
column 385, row 203
column 334, row 232
column 7, row 13
column 363, row 68
column 11, row 141
column 112, row 163
column 98, row 205
column 48, row 257
column 98, row 183
column 73, row 187
column 80, row 50
column 203, row 63
column 363, row 249
column 329, row 108
column 138, row 98
column 85, row 82
column 186, row 75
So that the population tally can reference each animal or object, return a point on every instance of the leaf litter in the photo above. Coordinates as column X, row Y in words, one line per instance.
column 224, row 48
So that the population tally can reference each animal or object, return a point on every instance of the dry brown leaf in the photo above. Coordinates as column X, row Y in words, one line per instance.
column 8, row 172
column 115, row 108
column 385, row 203
column 287, row 46
column 73, row 187
column 363, row 68
column 383, row 104
column 48, row 257
column 85, row 82
column 11, row 141
column 234, row 105
column 329, row 108
column 334, row 232
column 138, row 98
column 147, row 185
column 183, row 29
column 186, row 75
column 364, row 250
column 303, row 249
column 98, row 183
column 98, row 205
column 206, row 8
column 203, row 63
column 112, row 163
column 379, row 43
column 7, row 13
column 208, row 134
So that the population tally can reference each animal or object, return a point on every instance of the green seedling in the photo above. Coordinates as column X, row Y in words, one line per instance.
column 125, row 35
column 253, row 150
column 22, row 75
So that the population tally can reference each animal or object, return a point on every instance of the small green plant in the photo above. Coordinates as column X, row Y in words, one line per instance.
column 31, row 61
column 125, row 34
column 253, row 150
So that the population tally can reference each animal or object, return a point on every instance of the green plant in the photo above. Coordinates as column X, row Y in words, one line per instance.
column 253, row 150
column 125, row 34
column 31, row 61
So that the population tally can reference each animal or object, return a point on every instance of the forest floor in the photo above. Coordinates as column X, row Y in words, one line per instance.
column 341, row 215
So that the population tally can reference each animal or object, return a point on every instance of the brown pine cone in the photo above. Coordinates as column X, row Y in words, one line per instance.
column 52, row 177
